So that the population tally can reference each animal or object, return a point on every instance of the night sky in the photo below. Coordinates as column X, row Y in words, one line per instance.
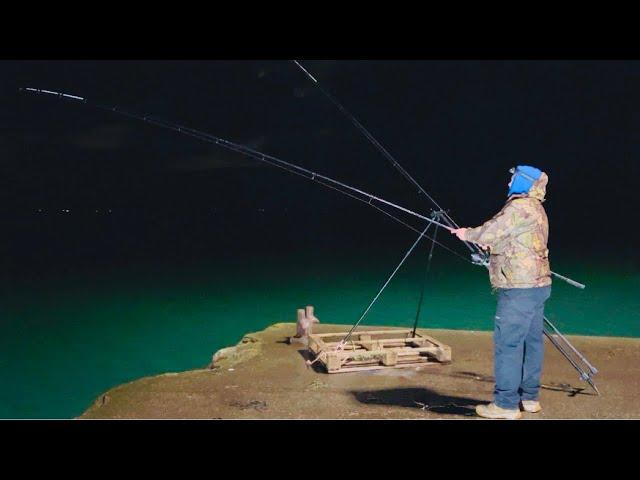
column 456, row 126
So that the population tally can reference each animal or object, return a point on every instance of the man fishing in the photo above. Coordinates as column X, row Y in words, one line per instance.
column 519, row 271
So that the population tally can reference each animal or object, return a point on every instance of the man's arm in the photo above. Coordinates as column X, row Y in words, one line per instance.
column 492, row 231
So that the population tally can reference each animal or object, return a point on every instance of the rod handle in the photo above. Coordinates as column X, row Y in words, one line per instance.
column 579, row 285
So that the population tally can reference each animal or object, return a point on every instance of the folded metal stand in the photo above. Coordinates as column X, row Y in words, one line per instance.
column 571, row 353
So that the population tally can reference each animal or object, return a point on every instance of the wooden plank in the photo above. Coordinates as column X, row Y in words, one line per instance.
column 333, row 362
column 390, row 358
column 315, row 345
column 403, row 360
column 401, row 350
column 407, row 361
column 382, row 367
column 434, row 341
column 366, row 332
column 367, row 351
column 443, row 354
column 372, row 345
column 345, row 354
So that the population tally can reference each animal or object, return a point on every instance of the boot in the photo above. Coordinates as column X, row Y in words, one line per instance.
column 494, row 411
column 531, row 406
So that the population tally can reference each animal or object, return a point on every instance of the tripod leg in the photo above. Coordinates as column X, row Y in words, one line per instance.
column 424, row 281
column 593, row 369
column 583, row 374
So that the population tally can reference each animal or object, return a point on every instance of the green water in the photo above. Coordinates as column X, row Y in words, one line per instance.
column 67, row 340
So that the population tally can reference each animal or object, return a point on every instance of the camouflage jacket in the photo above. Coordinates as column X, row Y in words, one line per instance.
column 517, row 239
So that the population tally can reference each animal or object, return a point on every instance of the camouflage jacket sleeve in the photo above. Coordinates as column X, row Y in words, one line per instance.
column 496, row 229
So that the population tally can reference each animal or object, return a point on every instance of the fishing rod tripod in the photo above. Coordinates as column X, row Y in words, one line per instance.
column 575, row 358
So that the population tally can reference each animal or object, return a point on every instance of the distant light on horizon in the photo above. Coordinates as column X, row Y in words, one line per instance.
column 68, row 210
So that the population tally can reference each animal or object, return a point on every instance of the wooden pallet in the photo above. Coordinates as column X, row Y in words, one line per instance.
column 377, row 349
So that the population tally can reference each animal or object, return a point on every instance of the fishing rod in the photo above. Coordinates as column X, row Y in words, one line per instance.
column 243, row 149
column 479, row 256
column 246, row 151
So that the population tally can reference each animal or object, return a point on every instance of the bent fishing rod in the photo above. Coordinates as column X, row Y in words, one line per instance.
column 243, row 149
column 479, row 256
column 330, row 183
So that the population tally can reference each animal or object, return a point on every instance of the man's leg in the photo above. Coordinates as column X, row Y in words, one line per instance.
column 512, row 323
column 534, row 347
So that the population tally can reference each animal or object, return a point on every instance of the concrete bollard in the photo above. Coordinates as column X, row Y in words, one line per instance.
column 301, row 323
column 311, row 318
column 305, row 320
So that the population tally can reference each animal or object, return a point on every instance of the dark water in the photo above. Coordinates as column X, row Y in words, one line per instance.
column 77, row 322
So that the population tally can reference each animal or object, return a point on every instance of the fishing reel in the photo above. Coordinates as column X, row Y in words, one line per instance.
column 439, row 215
column 481, row 259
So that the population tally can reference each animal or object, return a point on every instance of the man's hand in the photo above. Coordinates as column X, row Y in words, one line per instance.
column 460, row 233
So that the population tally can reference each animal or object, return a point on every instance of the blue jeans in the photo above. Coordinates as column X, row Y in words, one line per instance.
column 518, row 343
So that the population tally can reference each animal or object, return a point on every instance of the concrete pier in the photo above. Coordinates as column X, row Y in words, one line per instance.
column 266, row 377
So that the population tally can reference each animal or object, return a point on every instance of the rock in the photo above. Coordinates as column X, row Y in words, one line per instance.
column 227, row 357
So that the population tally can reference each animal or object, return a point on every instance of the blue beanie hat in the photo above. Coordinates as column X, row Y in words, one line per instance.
column 524, row 177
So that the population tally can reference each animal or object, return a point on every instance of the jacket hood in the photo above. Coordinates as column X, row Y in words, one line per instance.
column 539, row 188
